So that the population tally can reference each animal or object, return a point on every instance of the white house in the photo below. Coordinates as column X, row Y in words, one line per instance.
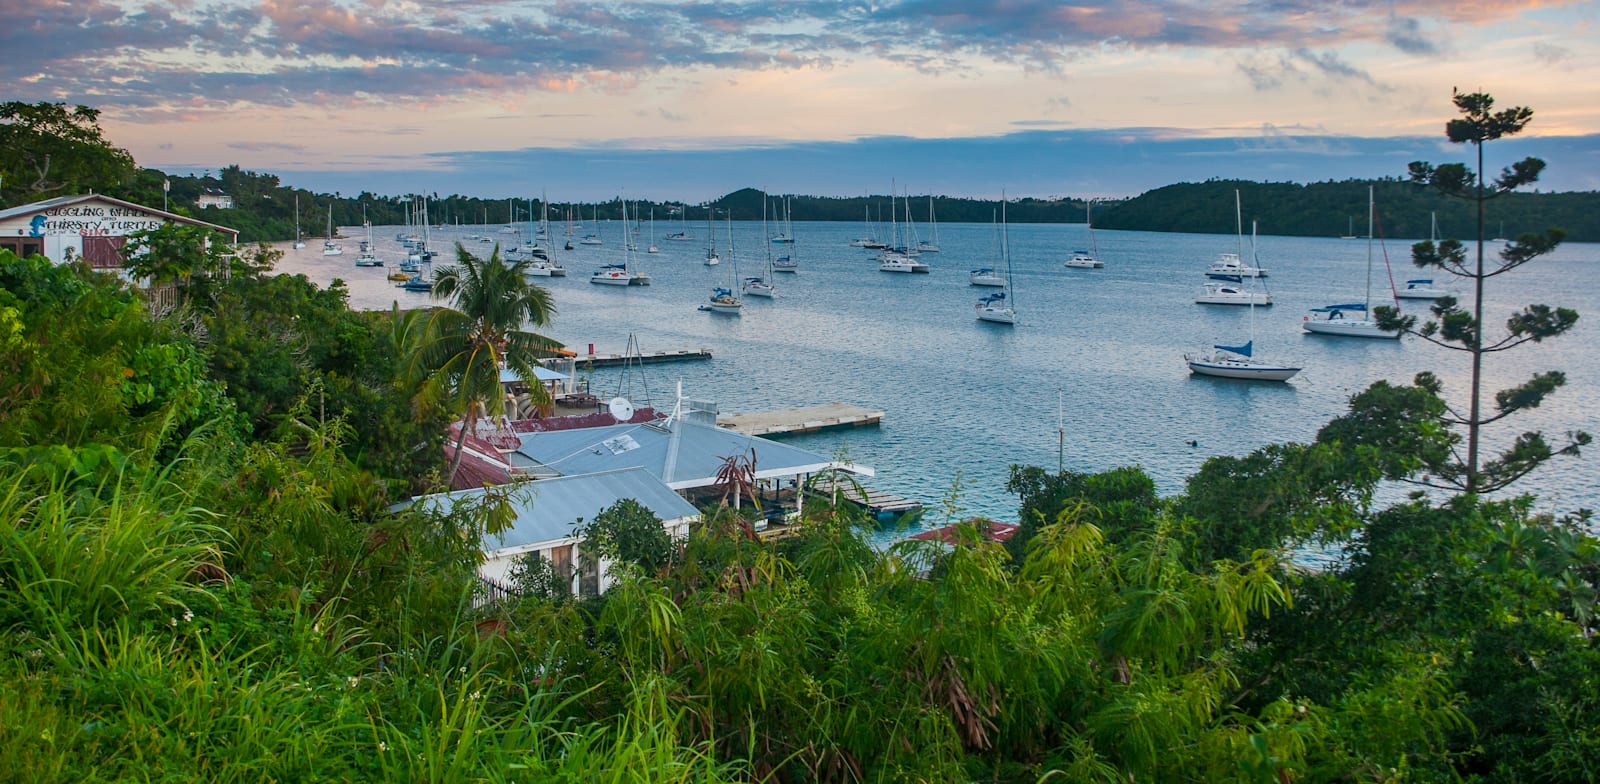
column 89, row 226
column 214, row 197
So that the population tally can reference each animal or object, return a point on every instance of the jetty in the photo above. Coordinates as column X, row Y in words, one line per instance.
column 883, row 506
column 644, row 358
column 808, row 419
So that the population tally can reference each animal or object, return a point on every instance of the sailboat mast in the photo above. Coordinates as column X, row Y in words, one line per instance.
column 1370, row 210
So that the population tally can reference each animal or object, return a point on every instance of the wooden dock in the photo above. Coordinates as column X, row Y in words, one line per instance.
column 809, row 419
column 614, row 360
column 884, row 506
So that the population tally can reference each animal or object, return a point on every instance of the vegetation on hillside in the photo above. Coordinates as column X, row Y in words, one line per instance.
column 204, row 574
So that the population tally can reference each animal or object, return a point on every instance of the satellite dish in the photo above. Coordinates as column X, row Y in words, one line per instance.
column 621, row 410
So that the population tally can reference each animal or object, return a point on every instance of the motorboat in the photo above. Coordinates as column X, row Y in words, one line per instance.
column 1231, row 293
column 1082, row 260
column 1228, row 264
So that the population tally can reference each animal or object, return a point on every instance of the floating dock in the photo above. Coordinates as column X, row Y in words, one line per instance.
column 809, row 419
column 644, row 358
column 884, row 506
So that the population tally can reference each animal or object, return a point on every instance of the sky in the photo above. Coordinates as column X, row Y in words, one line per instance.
column 691, row 100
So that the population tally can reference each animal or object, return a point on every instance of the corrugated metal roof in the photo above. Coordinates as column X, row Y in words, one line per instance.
column 699, row 452
column 67, row 201
column 549, row 509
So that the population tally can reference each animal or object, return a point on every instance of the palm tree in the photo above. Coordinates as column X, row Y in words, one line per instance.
column 465, row 345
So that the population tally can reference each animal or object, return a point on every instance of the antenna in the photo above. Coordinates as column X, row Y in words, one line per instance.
column 1061, row 437
column 621, row 410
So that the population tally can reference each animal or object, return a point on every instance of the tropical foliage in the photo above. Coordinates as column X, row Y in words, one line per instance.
column 204, row 574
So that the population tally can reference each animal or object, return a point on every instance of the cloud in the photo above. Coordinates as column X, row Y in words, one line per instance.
column 145, row 55
column 267, row 147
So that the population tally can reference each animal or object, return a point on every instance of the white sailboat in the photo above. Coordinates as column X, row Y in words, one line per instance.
column 1423, row 288
column 1353, row 319
column 930, row 246
column 366, row 258
column 1238, row 362
column 723, row 300
column 1086, row 259
column 624, row 274
column 1000, row 307
column 1231, row 289
column 651, row 248
column 544, row 264
column 759, row 285
column 329, row 247
column 782, row 236
column 712, row 259
column 299, row 242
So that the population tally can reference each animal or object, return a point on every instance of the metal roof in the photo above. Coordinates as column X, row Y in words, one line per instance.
column 540, row 372
column 549, row 510
column 67, row 201
column 688, row 455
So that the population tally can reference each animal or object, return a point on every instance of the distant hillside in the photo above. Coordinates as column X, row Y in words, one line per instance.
column 1334, row 209
column 264, row 208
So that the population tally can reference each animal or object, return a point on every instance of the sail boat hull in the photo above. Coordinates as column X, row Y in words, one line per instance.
column 1223, row 365
column 1335, row 324
column 996, row 315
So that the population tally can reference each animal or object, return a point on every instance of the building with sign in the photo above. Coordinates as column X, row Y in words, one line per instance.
column 92, row 227
column 214, row 197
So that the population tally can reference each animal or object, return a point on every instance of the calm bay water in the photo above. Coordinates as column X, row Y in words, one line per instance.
column 965, row 399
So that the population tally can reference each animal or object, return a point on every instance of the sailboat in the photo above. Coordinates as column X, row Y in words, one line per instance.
column 594, row 239
column 1084, row 259
column 723, row 299
column 544, row 264
column 1000, row 307
column 786, row 262
column 989, row 276
column 869, row 240
column 711, row 236
column 329, row 247
column 1351, row 319
column 622, row 274
column 299, row 242
column 1350, row 233
column 1423, row 288
column 784, row 236
column 1238, row 361
column 930, row 246
column 651, row 248
column 366, row 258
column 682, row 234
column 759, row 286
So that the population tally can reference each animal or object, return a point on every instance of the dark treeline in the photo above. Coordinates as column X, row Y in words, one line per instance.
column 264, row 208
column 1332, row 209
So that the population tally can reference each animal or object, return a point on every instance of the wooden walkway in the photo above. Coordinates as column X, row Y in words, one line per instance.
column 880, row 504
column 645, row 358
column 809, row 419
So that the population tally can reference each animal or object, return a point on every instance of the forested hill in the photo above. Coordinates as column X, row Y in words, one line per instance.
column 265, row 208
column 1338, row 208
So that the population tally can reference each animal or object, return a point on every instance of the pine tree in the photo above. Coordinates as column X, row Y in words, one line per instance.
column 1462, row 330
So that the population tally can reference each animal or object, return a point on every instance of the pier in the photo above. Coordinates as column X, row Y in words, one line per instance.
column 644, row 358
column 883, row 506
column 808, row 419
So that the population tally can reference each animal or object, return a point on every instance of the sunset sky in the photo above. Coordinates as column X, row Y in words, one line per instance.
column 666, row 100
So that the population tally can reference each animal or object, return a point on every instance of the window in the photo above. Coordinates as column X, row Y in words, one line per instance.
column 23, row 246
